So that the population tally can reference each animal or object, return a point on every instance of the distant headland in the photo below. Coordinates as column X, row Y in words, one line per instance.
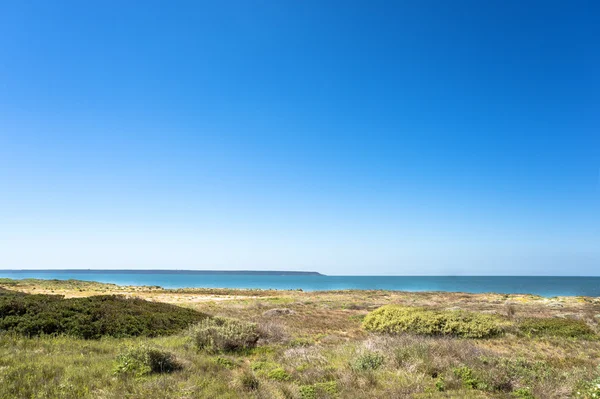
column 169, row 271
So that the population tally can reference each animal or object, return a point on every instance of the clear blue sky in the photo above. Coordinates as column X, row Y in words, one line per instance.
column 346, row 137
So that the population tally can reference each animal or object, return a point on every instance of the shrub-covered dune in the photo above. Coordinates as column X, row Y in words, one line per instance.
column 92, row 317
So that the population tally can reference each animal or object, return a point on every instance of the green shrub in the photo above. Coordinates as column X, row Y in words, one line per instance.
column 555, row 327
column 368, row 361
column 398, row 319
column 143, row 360
column 92, row 317
column 319, row 389
column 440, row 384
column 465, row 374
column 308, row 392
column 221, row 334
column 225, row 362
column 328, row 387
column 279, row 374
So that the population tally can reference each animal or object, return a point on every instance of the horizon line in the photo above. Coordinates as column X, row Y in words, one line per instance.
column 233, row 271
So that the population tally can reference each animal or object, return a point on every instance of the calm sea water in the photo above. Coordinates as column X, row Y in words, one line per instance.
column 545, row 286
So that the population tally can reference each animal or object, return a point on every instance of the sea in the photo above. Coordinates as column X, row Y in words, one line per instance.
column 546, row 286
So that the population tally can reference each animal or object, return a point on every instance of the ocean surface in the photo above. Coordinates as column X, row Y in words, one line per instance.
column 544, row 286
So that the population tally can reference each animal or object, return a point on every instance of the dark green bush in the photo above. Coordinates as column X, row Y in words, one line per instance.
column 92, row 317
column 398, row 319
column 143, row 360
column 219, row 334
column 555, row 327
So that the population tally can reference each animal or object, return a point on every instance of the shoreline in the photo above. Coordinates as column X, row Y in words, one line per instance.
column 481, row 302
column 244, row 292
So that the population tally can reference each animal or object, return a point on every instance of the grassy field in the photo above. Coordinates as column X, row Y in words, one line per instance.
column 336, row 344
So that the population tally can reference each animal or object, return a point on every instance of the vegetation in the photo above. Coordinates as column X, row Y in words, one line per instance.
column 219, row 334
column 398, row 319
column 368, row 361
column 465, row 374
column 555, row 327
column 142, row 360
column 248, row 381
column 279, row 374
column 92, row 317
column 318, row 350
column 589, row 389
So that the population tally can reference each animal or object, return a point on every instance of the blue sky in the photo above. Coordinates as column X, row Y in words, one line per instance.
column 408, row 137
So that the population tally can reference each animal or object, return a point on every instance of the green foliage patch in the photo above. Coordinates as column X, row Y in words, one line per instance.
column 279, row 374
column 143, row 360
column 220, row 334
column 226, row 362
column 367, row 362
column 319, row 390
column 468, row 378
column 398, row 319
column 555, row 327
column 92, row 317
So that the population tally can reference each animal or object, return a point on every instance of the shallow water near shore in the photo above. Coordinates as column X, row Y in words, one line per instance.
column 544, row 286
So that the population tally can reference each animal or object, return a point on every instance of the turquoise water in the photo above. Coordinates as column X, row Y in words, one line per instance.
column 545, row 286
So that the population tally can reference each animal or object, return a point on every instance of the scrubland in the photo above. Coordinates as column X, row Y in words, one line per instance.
column 222, row 343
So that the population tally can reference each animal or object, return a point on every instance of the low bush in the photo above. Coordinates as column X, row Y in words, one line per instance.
column 279, row 374
column 92, row 317
column 225, row 362
column 440, row 384
column 367, row 361
column 142, row 360
column 219, row 334
column 398, row 319
column 555, row 327
column 465, row 374
column 319, row 390
column 308, row 392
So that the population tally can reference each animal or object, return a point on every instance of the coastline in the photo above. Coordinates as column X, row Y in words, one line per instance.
column 546, row 286
column 186, row 296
